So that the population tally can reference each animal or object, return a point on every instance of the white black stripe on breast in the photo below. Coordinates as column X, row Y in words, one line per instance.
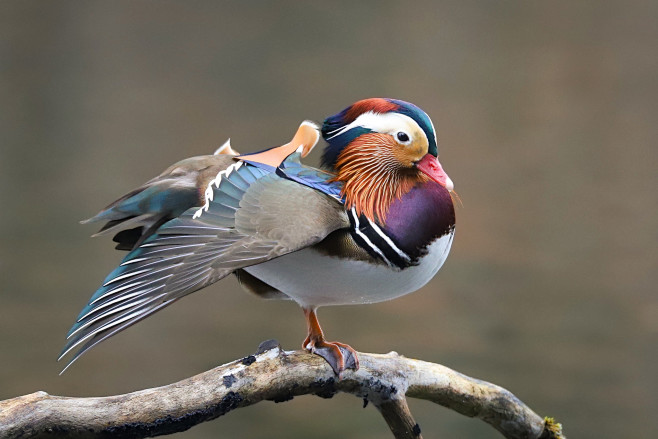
column 376, row 242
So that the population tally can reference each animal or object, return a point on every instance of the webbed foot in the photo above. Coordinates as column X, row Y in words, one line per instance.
column 340, row 356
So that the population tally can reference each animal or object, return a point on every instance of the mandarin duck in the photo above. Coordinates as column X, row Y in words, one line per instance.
column 375, row 224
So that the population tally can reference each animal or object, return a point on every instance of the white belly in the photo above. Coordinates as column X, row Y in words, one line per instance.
column 314, row 279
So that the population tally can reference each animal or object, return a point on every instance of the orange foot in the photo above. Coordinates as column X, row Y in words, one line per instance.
column 339, row 355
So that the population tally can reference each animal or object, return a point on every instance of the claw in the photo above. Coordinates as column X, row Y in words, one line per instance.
column 340, row 356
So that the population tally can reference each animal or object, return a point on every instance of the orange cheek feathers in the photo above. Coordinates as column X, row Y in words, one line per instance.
column 407, row 155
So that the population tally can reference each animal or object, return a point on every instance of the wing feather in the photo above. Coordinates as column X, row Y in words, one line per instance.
column 251, row 215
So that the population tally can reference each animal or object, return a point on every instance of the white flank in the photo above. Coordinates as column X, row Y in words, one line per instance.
column 314, row 279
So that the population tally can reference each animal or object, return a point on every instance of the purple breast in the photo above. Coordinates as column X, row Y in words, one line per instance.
column 421, row 216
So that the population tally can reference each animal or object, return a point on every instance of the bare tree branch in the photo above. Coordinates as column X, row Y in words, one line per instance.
column 274, row 375
column 397, row 415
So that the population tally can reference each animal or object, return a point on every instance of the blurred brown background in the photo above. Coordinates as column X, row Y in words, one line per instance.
column 547, row 116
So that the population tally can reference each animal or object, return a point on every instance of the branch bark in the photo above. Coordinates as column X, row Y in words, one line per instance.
column 274, row 375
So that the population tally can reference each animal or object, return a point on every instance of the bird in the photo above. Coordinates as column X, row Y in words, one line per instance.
column 375, row 222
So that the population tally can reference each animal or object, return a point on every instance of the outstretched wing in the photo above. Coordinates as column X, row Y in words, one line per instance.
column 135, row 216
column 251, row 215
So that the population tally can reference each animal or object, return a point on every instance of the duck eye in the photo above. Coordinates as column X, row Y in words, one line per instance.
column 402, row 137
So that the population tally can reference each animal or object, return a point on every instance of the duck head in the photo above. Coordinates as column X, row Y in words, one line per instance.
column 380, row 149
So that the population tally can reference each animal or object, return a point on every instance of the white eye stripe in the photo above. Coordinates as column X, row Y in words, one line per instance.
column 387, row 123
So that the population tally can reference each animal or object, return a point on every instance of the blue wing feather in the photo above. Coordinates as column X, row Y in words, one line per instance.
column 292, row 169
column 185, row 254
